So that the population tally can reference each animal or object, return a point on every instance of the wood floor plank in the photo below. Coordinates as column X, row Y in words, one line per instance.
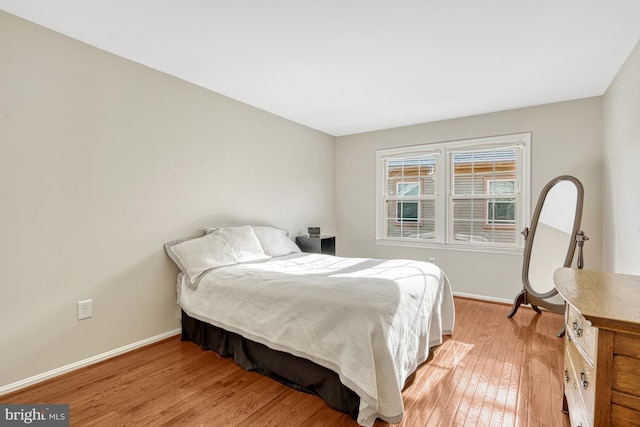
column 492, row 371
column 285, row 407
column 427, row 397
column 483, row 389
column 466, row 412
column 493, row 412
column 459, row 380
column 510, row 371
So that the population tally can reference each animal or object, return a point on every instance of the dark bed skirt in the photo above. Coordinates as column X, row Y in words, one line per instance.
column 295, row 372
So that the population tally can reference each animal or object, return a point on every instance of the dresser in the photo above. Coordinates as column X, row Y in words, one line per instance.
column 602, row 347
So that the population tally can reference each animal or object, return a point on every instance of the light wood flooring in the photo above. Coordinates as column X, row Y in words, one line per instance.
column 492, row 371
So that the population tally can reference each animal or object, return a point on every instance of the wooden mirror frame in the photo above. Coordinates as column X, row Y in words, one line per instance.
column 528, row 295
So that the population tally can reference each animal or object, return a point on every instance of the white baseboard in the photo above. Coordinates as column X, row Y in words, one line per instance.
column 483, row 298
column 86, row 362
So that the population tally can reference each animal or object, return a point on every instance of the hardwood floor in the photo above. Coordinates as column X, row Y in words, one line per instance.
column 492, row 371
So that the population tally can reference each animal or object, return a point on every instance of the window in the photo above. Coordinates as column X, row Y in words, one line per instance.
column 470, row 194
column 407, row 210
column 501, row 211
column 410, row 196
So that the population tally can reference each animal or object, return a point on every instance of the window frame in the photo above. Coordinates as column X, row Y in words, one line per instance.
column 443, row 197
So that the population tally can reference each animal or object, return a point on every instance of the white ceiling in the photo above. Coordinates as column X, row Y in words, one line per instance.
column 350, row 66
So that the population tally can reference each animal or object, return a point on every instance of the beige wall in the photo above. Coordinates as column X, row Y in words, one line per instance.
column 621, row 181
column 566, row 139
column 101, row 162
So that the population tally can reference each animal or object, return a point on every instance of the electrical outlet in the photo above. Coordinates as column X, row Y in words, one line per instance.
column 432, row 260
column 85, row 309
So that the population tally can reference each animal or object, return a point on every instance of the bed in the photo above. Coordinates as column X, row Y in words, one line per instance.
column 351, row 330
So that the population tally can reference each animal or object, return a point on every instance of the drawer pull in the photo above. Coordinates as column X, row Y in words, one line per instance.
column 566, row 376
column 583, row 380
column 577, row 328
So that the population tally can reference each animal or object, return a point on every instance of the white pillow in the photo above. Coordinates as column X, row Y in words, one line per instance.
column 275, row 242
column 243, row 242
column 224, row 246
column 194, row 257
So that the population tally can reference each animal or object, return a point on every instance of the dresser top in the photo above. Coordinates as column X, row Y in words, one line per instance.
column 607, row 300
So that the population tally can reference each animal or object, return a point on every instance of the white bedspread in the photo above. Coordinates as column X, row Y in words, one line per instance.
column 371, row 321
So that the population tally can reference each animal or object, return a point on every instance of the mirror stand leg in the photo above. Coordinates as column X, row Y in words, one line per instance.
column 536, row 309
column 561, row 332
column 520, row 298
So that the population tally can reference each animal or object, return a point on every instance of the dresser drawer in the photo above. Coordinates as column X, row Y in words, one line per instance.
column 584, row 377
column 578, row 412
column 582, row 333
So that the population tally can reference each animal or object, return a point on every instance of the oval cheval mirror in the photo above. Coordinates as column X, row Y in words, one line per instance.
column 550, row 243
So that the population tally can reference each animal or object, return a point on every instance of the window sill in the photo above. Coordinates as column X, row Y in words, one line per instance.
column 450, row 247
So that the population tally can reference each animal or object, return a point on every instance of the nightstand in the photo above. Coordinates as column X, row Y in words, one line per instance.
column 317, row 244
